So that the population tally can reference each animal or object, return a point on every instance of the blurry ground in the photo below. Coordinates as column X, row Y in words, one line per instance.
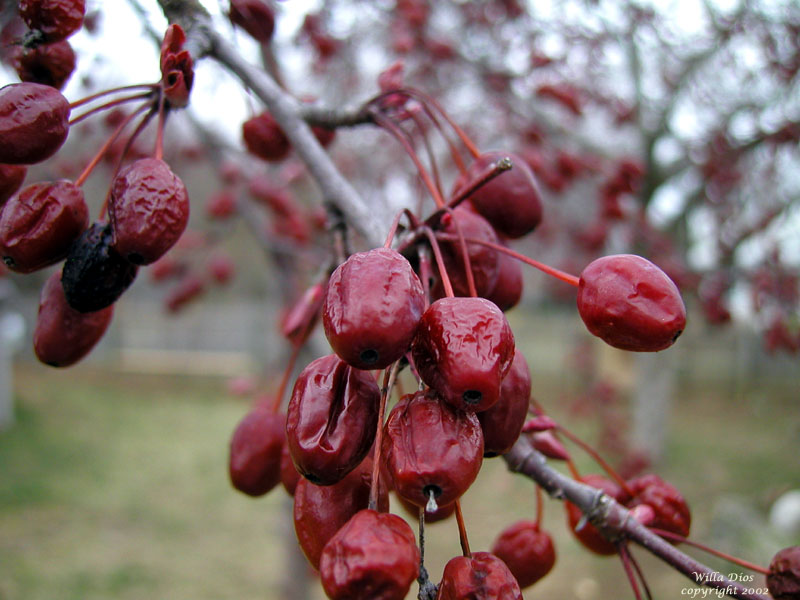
column 114, row 486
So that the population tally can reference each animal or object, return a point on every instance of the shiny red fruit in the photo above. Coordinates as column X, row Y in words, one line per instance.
column 256, row 17
column 264, row 138
column 463, row 348
column 48, row 64
column 56, row 19
column 372, row 307
column 630, row 303
column 148, row 210
column 671, row 510
column 63, row 336
column 588, row 534
column 331, row 420
column 431, row 448
column 482, row 576
column 374, row 556
column 442, row 513
column 39, row 225
column 511, row 202
column 320, row 511
column 11, row 179
column 783, row 580
column 254, row 459
column 507, row 290
column 34, row 123
column 527, row 551
column 502, row 423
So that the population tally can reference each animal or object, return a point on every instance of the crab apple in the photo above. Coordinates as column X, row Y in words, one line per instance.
column 34, row 123
column 299, row 320
column 502, row 423
column 95, row 275
column 63, row 336
column 256, row 17
column 671, row 512
column 588, row 534
column 48, row 64
column 321, row 510
column 190, row 287
column 148, row 210
column 484, row 261
column 55, row 19
column 507, row 289
column 630, row 303
column 374, row 556
column 527, row 551
column 372, row 306
column 254, row 459
column 441, row 513
column 463, row 348
column 481, row 576
column 783, row 580
column 11, row 179
column 431, row 448
column 39, row 225
column 331, row 420
column 264, row 138
column 289, row 475
column 511, row 202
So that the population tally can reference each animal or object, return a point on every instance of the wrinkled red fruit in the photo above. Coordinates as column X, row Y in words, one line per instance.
column 256, row 17
column 374, row 556
column 264, row 138
column 11, row 178
column 527, row 551
column 254, row 460
column 372, row 306
column 331, row 420
column 484, row 261
column 320, row 511
column 507, row 290
column 38, row 225
column 480, row 577
column 511, row 202
column 149, row 209
column 48, row 64
column 630, row 303
column 431, row 448
column 63, row 336
column 56, row 19
column 34, row 123
column 95, row 275
column 783, row 580
column 671, row 512
column 502, row 423
column 463, row 349
column 588, row 534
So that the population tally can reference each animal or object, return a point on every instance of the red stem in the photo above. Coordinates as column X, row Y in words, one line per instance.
column 393, row 229
column 388, row 383
column 462, row 531
column 424, row 98
column 539, row 506
column 287, row 373
column 87, row 99
column 462, row 244
column 484, row 177
column 159, row 151
column 668, row 535
column 625, row 557
column 437, row 253
column 112, row 104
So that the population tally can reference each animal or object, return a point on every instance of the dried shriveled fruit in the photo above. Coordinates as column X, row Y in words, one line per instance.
column 63, row 336
column 48, row 64
column 783, row 580
column 671, row 512
column 331, row 420
column 502, row 423
column 149, row 209
column 372, row 306
column 256, row 17
column 588, row 534
column 481, row 576
column 630, row 303
column 264, row 138
column 527, row 551
column 39, row 225
column 55, row 19
column 374, row 556
column 34, row 123
column 254, row 458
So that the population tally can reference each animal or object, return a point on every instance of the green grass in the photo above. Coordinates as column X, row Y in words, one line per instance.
column 115, row 486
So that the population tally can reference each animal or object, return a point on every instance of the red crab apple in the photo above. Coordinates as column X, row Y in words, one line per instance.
column 256, row 17
column 502, row 423
column 48, row 64
column 630, row 303
column 264, row 138
column 588, row 534
column 55, row 19
column 11, row 179
column 671, row 512
column 482, row 576
column 34, row 123
column 783, row 580
column 527, row 551
column 254, row 460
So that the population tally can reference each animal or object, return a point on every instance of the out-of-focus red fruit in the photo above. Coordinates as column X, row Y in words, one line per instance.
column 372, row 307
column 39, row 225
column 221, row 267
column 11, row 178
column 63, row 336
column 511, row 202
column 527, row 551
column 502, row 423
column 34, row 123
column 482, row 575
column 671, row 512
column 289, row 475
column 331, row 420
column 321, row 510
column 221, row 205
column 256, row 17
column 299, row 320
column 588, row 534
column 264, row 138
column 463, row 348
column 630, row 303
column 55, row 19
column 165, row 267
column 783, row 580
column 374, row 556
column 48, row 64
column 430, row 448
column 254, row 461
column 549, row 445
column 188, row 288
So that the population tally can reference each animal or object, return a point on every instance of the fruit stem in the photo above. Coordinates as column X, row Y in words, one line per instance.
column 437, row 253
column 552, row 271
column 138, row 86
column 674, row 537
column 159, row 151
column 426, row 142
column 388, row 383
column 484, row 177
column 424, row 98
column 393, row 229
column 625, row 557
column 462, row 531
column 107, row 106
column 276, row 404
column 539, row 506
